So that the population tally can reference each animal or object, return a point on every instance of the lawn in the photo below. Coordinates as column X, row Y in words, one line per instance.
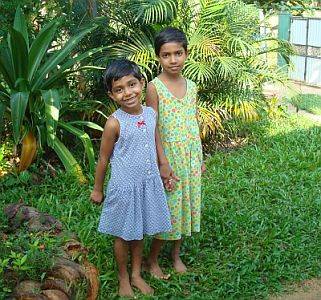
column 261, row 226
column 308, row 102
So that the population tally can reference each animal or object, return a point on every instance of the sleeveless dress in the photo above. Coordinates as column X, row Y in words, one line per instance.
column 180, row 137
column 135, row 202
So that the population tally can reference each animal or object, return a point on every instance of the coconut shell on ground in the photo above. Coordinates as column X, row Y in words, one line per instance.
column 66, row 273
column 55, row 295
column 52, row 283
column 37, row 221
column 27, row 289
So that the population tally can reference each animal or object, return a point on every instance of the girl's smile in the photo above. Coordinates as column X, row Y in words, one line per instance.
column 127, row 92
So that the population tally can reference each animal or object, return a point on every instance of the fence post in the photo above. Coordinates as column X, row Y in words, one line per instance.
column 284, row 32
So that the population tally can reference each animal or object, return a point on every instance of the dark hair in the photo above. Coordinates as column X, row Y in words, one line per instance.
column 170, row 35
column 119, row 68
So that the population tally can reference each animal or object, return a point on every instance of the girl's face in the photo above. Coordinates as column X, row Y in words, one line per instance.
column 127, row 92
column 172, row 57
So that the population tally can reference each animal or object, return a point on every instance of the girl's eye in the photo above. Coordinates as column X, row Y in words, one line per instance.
column 165, row 55
column 180, row 53
column 132, row 84
column 118, row 91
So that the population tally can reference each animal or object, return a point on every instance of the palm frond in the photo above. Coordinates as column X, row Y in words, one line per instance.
column 226, row 67
column 138, row 48
column 153, row 11
column 210, row 118
column 239, row 47
column 203, row 45
column 199, row 71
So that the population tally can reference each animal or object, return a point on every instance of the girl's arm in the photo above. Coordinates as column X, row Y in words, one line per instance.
column 165, row 170
column 108, row 140
column 152, row 101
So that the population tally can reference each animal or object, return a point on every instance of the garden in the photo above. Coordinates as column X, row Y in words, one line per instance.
column 261, row 209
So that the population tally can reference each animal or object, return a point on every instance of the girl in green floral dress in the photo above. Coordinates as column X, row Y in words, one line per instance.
column 174, row 98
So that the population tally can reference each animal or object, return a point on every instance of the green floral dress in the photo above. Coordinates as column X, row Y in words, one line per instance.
column 180, row 137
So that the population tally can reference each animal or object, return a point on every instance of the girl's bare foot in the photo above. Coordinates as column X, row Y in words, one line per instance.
column 141, row 284
column 155, row 270
column 125, row 290
column 179, row 265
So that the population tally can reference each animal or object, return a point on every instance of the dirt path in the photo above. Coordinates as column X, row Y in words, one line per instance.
column 306, row 290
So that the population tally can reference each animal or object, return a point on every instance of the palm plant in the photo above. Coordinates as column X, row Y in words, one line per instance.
column 32, row 75
column 226, row 53
column 280, row 4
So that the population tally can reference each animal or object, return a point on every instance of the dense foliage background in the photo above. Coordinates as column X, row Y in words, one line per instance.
column 227, row 59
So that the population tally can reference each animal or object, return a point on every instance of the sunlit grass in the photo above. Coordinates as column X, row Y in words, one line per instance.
column 261, row 219
column 308, row 102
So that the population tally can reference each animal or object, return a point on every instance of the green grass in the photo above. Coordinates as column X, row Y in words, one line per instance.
column 308, row 102
column 261, row 222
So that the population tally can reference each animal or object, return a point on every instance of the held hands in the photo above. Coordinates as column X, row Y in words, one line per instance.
column 203, row 168
column 96, row 196
column 168, row 177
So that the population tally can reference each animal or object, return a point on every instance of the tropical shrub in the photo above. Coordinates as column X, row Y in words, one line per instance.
column 33, row 74
column 280, row 4
column 226, row 52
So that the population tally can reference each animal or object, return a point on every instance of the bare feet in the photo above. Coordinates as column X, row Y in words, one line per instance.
column 125, row 290
column 141, row 284
column 155, row 270
column 179, row 265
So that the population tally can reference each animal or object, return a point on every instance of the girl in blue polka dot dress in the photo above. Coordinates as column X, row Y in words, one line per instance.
column 135, row 203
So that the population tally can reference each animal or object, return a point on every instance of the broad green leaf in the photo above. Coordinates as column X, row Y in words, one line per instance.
column 84, row 137
column 57, row 58
column 18, row 104
column 52, row 107
column 20, row 25
column 21, row 85
column 39, row 47
column 19, row 53
column 88, row 124
column 71, row 62
column 6, row 67
column 67, row 159
column 41, row 135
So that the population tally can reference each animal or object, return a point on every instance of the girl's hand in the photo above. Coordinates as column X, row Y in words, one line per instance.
column 96, row 197
column 203, row 168
column 168, row 177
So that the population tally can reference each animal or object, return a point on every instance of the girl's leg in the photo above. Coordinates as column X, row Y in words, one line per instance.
column 136, row 248
column 121, row 255
column 177, row 262
column 152, row 260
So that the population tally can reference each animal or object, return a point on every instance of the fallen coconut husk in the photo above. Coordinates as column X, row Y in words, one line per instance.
column 66, row 272
column 55, row 295
column 27, row 289
column 19, row 214
column 53, row 283
column 60, row 261
column 92, row 276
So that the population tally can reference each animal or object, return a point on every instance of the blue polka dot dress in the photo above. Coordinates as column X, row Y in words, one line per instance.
column 135, row 203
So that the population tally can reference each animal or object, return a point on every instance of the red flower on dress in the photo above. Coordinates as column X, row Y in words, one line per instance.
column 141, row 123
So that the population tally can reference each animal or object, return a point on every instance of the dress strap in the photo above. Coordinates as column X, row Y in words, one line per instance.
column 156, row 82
